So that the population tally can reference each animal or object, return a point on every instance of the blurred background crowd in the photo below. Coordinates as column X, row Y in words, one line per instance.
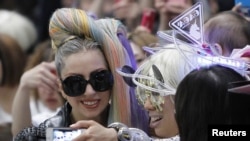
column 25, row 44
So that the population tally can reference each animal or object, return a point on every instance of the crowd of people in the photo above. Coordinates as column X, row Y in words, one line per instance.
column 102, row 66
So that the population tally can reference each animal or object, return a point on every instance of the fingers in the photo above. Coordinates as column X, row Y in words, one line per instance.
column 48, row 76
column 176, row 8
column 40, row 76
column 94, row 131
column 83, row 124
column 120, row 4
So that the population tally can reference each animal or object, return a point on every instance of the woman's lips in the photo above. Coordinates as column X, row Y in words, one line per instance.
column 52, row 101
column 155, row 121
column 90, row 104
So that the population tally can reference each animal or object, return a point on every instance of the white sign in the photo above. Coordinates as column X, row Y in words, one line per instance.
column 190, row 24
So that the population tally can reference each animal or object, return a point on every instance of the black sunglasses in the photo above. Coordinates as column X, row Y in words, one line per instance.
column 76, row 85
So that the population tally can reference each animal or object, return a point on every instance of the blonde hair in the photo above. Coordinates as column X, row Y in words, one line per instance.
column 172, row 63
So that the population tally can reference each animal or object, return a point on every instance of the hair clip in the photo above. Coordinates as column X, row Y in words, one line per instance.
column 137, row 79
column 157, row 73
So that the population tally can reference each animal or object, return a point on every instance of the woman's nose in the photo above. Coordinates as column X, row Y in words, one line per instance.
column 89, row 90
column 148, row 105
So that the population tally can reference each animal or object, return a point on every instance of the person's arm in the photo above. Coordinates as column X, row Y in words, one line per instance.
column 96, row 8
column 94, row 131
column 169, row 10
column 39, row 76
column 146, row 4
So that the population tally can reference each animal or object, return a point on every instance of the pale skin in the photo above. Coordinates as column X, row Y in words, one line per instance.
column 168, row 9
column 88, row 109
column 51, row 99
column 139, row 54
column 98, row 7
column 129, row 10
column 163, row 122
column 91, row 134
column 39, row 77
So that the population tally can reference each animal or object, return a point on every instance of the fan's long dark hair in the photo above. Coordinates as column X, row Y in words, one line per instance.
column 202, row 99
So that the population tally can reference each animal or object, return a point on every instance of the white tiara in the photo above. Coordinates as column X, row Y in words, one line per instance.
column 206, row 54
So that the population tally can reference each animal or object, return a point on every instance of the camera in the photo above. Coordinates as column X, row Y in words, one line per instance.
column 62, row 134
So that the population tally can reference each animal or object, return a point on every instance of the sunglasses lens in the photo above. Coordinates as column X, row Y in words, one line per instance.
column 74, row 85
column 101, row 81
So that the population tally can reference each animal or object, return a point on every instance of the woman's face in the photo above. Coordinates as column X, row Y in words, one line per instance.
column 163, row 122
column 91, row 103
column 85, row 4
column 139, row 54
column 51, row 99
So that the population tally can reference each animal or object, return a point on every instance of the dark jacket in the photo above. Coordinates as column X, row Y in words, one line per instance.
column 61, row 119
